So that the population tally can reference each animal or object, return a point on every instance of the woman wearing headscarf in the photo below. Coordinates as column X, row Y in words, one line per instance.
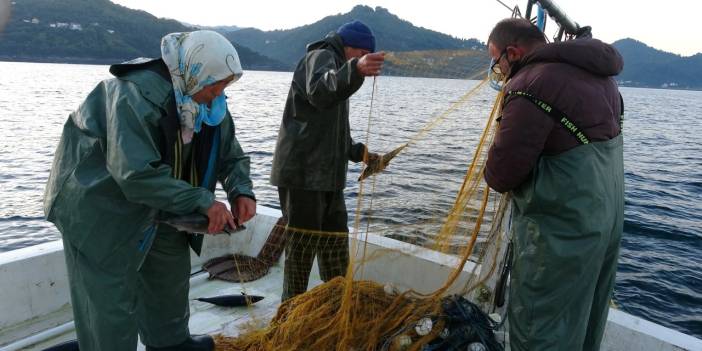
column 151, row 142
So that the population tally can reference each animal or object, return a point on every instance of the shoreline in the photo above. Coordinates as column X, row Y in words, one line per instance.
column 95, row 61
column 111, row 61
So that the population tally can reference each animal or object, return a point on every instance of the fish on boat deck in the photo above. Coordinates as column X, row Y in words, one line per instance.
column 241, row 268
column 232, row 300
column 197, row 223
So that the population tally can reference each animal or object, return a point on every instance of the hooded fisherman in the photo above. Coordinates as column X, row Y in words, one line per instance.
column 154, row 140
column 313, row 151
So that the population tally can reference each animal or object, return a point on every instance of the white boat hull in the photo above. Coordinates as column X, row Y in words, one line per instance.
column 35, row 306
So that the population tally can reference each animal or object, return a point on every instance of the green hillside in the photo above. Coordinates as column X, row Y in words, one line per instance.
column 463, row 64
column 392, row 34
column 645, row 66
column 99, row 31
column 93, row 31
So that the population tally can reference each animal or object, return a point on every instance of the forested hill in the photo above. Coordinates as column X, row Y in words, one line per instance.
column 645, row 66
column 99, row 31
column 93, row 31
column 392, row 34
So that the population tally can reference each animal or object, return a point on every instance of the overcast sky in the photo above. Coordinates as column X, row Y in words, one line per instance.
column 671, row 25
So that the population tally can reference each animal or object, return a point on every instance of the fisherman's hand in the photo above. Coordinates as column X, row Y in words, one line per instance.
column 219, row 216
column 371, row 64
column 244, row 208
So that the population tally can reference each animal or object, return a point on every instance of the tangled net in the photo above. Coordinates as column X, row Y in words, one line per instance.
column 315, row 315
column 344, row 315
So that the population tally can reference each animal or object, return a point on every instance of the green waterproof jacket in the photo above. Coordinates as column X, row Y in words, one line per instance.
column 116, row 164
column 314, row 143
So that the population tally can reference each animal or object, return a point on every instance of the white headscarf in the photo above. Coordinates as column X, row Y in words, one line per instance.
column 196, row 59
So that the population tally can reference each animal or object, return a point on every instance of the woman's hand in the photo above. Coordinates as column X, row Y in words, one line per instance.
column 243, row 208
column 219, row 216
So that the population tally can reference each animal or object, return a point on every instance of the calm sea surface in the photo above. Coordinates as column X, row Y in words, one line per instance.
column 660, row 276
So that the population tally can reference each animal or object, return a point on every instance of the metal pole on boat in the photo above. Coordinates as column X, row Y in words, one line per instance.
column 527, row 12
column 559, row 16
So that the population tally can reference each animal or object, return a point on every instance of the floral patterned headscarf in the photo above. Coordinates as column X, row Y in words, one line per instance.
column 196, row 59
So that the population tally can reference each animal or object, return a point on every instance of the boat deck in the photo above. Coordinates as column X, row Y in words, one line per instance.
column 206, row 318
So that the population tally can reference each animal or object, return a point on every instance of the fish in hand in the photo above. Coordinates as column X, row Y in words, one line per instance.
column 378, row 164
column 197, row 223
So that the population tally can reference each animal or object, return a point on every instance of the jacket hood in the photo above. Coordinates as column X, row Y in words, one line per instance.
column 591, row 55
column 332, row 42
column 156, row 91
column 124, row 68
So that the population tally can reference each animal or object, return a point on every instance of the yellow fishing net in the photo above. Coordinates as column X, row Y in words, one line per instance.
column 366, row 310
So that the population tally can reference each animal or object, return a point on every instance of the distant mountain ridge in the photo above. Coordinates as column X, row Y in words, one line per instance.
column 391, row 32
column 93, row 31
column 220, row 29
column 99, row 31
column 645, row 66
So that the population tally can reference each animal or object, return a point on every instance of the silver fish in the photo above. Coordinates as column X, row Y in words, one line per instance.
column 232, row 300
column 197, row 223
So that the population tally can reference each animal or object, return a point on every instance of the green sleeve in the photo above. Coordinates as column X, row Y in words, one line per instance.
column 233, row 172
column 326, row 85
column 134, row 161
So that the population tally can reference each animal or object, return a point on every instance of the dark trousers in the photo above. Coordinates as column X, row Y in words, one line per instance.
column 317, row 226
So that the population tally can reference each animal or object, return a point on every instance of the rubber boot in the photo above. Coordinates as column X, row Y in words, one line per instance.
column 192, row 343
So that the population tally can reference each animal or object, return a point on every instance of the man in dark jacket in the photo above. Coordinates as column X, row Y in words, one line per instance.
column 558, row 150
column 313, row 149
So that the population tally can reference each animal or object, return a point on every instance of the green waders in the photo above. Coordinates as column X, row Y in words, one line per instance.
column 567, row 225
column 113, row 301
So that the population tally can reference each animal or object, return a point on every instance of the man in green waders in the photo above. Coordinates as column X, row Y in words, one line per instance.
column 153, row 140
column 558, row 151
